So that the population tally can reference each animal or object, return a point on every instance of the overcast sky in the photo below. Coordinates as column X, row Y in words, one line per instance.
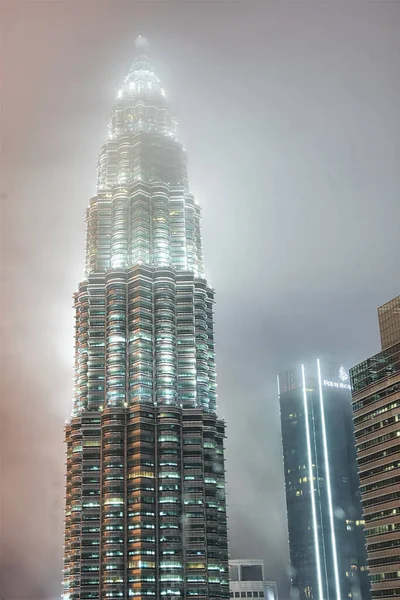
column 289, row 112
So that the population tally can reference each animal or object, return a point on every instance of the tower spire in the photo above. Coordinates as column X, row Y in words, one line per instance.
column 141, row 42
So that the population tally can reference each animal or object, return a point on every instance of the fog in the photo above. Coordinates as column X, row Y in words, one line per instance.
column 289, row 115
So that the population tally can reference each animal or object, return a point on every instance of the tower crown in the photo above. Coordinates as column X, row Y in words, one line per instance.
column 143, row 212
column 142, row 79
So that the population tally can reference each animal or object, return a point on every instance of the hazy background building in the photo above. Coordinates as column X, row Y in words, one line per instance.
column 145, row 484
column 326, row 537
column 376, row 409
column 247, row 580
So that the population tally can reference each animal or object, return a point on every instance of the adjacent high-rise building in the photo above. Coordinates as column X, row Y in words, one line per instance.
column 376, row 410
column 389, row 322
column 325, row 523
column 145, row 487
column 247, row 580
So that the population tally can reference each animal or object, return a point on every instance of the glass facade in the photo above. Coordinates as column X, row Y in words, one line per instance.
column 389, row 322
column 325, row 523
column 145, row 480
column 376, row 413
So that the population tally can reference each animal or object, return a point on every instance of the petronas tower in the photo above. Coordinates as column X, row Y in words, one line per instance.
column 145, row 486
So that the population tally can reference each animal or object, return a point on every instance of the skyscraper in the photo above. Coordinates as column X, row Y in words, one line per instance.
column 326, row 533
column 389, row 322
column 145, row 487
column 376, row 409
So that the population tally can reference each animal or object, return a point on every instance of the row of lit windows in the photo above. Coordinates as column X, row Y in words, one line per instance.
column 375, row 413
column 378, row 577
column 391, row 481
column 378, row 440
column 382, row 528
column 381, row 469
column 386, row 560
column 378, row 455
column 376, row 397
column 382, row 499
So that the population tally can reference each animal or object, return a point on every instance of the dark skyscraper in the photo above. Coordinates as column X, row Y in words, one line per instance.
column 145, row 488
column 376, row 409
column 326, row 534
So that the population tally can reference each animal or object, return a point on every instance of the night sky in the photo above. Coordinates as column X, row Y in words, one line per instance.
column 289, row 112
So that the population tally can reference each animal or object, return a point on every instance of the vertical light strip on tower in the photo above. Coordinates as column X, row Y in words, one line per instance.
column 328, row 484
column 312, row 490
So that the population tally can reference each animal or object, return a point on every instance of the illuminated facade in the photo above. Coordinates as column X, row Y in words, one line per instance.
column 376, row 410
column 145, row 488
column 325, row 523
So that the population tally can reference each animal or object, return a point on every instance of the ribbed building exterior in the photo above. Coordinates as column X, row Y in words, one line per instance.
column 145, row 487
column 376, row 410
column 325, row 523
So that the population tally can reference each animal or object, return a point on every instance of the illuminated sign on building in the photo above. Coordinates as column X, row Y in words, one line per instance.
column 339, row 384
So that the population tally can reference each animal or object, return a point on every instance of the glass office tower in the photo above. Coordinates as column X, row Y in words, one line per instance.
column 145, row 487
column 376, row 411
column 389, row 322
column 326, row 528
